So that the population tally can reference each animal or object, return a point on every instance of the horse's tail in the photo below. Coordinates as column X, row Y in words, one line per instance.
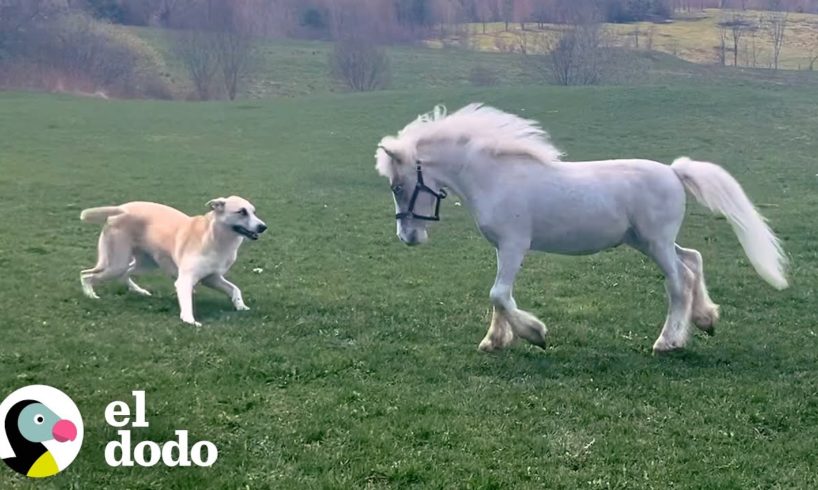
column 713, row 187
column 100, row 215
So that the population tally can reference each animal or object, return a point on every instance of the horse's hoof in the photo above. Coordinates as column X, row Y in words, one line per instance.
column 540, row 342
column 662, row 346
column 486, row 346
column 707, row 322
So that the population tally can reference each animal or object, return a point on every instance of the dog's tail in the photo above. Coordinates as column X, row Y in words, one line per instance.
column 100, row 215
column 713, row 187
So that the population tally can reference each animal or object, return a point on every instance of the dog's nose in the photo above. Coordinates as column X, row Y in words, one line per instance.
column 261, row 228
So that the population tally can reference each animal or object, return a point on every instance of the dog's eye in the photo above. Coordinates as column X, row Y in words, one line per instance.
column 397, row 189
column 243, row 212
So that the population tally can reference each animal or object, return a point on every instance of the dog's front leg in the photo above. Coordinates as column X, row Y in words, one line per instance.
column 184, row 292
column 219, row 283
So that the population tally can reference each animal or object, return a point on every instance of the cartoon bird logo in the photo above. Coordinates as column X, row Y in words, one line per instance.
column 36, row 435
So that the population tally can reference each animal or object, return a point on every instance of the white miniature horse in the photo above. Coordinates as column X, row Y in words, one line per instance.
column 523, row 198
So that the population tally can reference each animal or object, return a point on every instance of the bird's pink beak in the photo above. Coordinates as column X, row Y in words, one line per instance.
column 64, row 430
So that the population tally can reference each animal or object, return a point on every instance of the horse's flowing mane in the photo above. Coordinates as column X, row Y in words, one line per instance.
column 481, row 127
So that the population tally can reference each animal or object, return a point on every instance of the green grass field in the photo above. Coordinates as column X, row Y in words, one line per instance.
column 357, row 366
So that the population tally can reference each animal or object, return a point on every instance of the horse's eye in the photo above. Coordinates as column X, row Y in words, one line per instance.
column 397, row 189
column 243, row 212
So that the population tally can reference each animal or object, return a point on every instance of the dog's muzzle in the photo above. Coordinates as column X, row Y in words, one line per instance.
column 252, row 235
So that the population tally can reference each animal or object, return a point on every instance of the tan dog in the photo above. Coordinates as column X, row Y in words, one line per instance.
column 140, row 236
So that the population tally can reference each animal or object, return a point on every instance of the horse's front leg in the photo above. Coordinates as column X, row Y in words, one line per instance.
column 507, row 320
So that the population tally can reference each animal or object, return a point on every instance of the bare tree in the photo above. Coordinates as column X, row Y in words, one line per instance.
column 541, row 13
column 507, row 12
column 372, row 19
column 17, row 15
column 233, row 47
column 721, row 49
column 649, row 40
column 233, row 55
column 215, row 42
column 448, row 14
column 734, row 28
column 752, row 57
column 776, row 27
column 360, row 65
column 578, row 56
column 523, row 42
column 483, row 12
column 197, row 49
column 522, row 11
column 813, row 49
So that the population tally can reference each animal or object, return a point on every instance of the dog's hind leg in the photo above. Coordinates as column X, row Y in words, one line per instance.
column 134, row 287
column 102, row 262
column 138, row 263
column 114, row 258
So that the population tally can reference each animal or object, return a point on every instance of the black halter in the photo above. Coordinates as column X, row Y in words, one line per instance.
column 421, row 187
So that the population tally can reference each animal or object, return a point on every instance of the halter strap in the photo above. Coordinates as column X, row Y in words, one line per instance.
column 420, row 186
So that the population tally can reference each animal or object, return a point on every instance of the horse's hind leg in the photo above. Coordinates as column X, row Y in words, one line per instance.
column 507, row 320
column 679, row 283
column 705, row 313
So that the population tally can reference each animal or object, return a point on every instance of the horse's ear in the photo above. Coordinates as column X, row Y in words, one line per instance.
column 389, row 157
column 392, row 154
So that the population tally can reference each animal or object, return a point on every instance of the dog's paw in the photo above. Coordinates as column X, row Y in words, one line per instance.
column 141, row 292
column 88, row 291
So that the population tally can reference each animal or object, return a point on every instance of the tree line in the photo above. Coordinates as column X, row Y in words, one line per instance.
column 70, row 45
column 396, row 20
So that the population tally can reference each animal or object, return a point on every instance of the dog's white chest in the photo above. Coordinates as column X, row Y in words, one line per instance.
column 215, row 264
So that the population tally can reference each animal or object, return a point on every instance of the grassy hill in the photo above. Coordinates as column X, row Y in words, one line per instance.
column 357, row 366
column 693, row 38
column 297, row 68
column 292, row 68
column 683, row 49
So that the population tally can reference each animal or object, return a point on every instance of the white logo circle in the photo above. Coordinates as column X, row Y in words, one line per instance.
column 40, row 431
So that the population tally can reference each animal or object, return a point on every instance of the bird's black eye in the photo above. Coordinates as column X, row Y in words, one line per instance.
column 397, row 189
column 243, row 211
column 39, row 419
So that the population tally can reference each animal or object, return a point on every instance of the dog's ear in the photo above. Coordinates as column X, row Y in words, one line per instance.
column 217, row 204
